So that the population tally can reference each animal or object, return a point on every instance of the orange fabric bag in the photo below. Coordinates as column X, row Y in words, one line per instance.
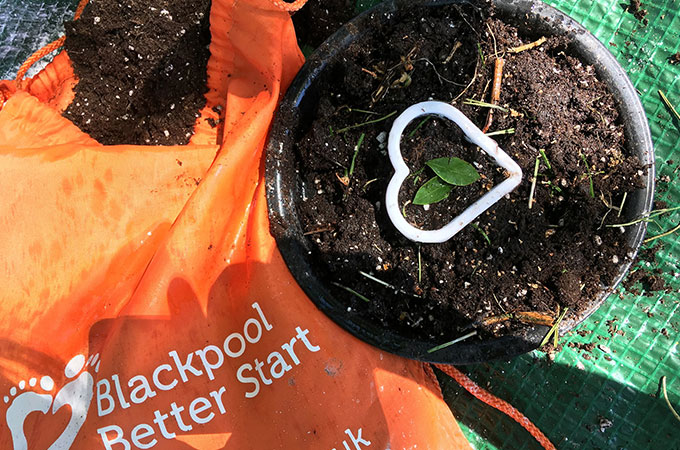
column 144, row 301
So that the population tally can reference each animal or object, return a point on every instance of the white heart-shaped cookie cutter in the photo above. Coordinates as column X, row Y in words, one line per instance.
column 401, row 171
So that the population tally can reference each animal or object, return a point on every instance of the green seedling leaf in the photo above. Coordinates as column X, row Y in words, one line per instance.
column 454, row 171
column 433, row 191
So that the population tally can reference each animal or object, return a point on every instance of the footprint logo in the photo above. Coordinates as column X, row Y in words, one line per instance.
column 76, row 393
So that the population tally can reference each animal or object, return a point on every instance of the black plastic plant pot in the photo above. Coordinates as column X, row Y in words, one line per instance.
column 298, row 110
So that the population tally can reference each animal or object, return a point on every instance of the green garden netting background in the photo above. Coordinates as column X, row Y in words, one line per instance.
column 607, row 398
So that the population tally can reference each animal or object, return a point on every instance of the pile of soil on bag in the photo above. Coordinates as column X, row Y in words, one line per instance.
column 560, row 253
column 141, row 67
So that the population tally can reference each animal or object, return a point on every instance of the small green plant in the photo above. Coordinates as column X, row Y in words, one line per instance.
column 449, row 172
column 482, row 232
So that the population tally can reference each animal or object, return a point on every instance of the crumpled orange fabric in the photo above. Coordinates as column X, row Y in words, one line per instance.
column 144, row 302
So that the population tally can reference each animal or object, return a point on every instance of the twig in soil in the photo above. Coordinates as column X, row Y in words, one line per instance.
column 493, row 319
column 665, row 396
column 497, row 302
column 646, row 217
column 668, row 104
column 554, row 329
column 455, row 341
column 483, row 233
column 356, row 152
column 474, row 77
column 388, row 81
column 373, row 74
column 669, row 232
column 357, row 125
column 545, row 158
column 441, row 78
column 527, row 317
column 623, row 201
column 377, row 280
column 325, row 156
column 351, row 291
column 462, row 16
column 657, row 224
column 350, row 109
column 609, row 206
column 403, row 208
column 422, row 122
column 420, row 266
column 590, row 175
column 344, row 180
column 495, row 90
column 499, row 132
column 456, row 46
column 604, row 218
column 473, row 102
column 532, row 317
column 405, row 80
column 604, row 121
column 533, row 183
column 369, row 182
column 493, row 36
column 318, row 230
column 528, row 46
column 387, row 285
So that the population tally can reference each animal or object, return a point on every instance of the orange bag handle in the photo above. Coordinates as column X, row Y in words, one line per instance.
column 290, row 7
column 44, row 51
column 481, row 394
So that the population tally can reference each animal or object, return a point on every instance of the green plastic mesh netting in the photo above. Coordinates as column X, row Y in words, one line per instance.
column 606, row 396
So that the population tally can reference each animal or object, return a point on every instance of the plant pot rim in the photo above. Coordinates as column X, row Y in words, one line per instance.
column 281, row 194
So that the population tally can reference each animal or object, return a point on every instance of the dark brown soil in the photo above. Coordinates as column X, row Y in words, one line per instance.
column 321, row 18
column 674, row 58
column 636, row 9
column 142, row 69
column 560, row 252
column 651, row 282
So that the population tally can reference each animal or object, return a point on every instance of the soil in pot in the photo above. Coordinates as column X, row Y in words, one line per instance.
column 557, row 118
column 141, row 67
column 321, row 18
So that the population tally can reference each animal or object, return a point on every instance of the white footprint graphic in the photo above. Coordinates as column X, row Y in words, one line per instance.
column 23, row 405
column 77, row 394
